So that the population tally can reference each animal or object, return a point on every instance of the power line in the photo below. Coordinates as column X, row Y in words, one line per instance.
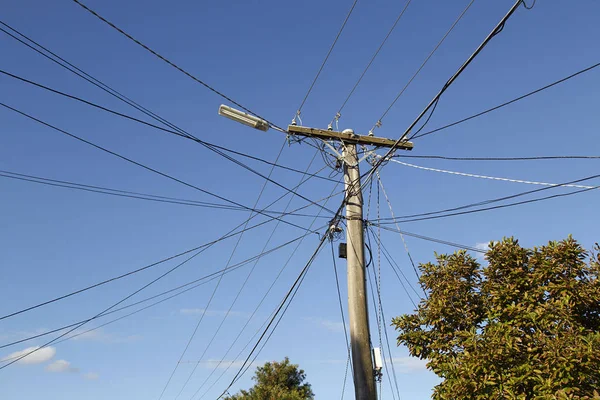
column 378, row 123
column 284, row 303
column 339, row 113
column 72, row 68
column 228, row 235
column 196, row 283
column 129, row 194
column 380, row 319
column 433, row 103
column 178, row 132
column 289, row 259
column 493, row 178
column 187, row 135
column 427, row 215
column 508, row 102
column 172, row 64
column 137, row 163
column 500, row 158
column 326, row 58
column 505, row 205
column 430, row 239
column 339, row 296
column 389, row 203
column 497, row 29
column 215, row 292
column 393, row 263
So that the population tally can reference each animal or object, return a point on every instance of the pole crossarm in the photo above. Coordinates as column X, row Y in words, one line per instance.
column 347, row 137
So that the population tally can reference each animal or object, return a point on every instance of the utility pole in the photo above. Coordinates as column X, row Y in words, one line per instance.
column 360, row 344
column 360, row 337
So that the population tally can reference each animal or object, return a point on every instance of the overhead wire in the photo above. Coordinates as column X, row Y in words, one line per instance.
column 433, row 103
column 230, row 234
column 241, row 288
column 106, row 150
column 130, row 194
column 416, row 136
column 299, row 111
column 192, row 285
column 339, row 294
column 362, row 75
column 389, row 203
column 391, row 360
column 493, row 178
column 462, row 14
column 431, row 214
column 169, row 62
column 378, row 307
column 532, row 158
column 216, row 288
column 395, row 267
column 256, row 309
column 175, row 131
column 278, row 313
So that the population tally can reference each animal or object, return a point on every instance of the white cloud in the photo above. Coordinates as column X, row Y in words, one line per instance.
column 40, row 356
column 91, row 376
column 212, row 313
column 61, row 366
column 409, row 364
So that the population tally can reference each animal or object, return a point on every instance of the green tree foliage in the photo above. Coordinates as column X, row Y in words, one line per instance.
column 526, row 326
column 277, row 381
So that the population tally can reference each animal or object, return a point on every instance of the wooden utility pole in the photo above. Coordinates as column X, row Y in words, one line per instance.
column 360, row 343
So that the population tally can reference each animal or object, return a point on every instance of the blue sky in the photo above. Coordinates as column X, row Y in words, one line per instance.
column 264, row 54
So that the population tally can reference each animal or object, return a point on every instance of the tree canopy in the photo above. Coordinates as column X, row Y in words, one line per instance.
column 526, row 326
column 277, row 381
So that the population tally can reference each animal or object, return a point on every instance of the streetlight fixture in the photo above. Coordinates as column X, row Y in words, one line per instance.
column 243, row 118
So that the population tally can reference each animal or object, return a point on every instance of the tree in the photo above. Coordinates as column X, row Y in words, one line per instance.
column 526, row 326
column 277, row 381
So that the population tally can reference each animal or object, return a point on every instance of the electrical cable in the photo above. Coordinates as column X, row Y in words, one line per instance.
column 494, row 178
column 431, row 239
column 462, row 14
column 289, row 259
column 396, row 268
column 129, row 194
column 178, row 132
column 65, row 64
column 209, row 302
column 504, row 205
column 501, row 158
column 228, row 235
column 507, row 102
column 172, row 64
column 325, row 60
column 196, row 283
column 380, row 245
column 497, row 29
column 137, row 163
column 284, row 303
column 339, row 113
column 389, row 203
column 339, row 293
column 490, row 201
column 241, row 288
